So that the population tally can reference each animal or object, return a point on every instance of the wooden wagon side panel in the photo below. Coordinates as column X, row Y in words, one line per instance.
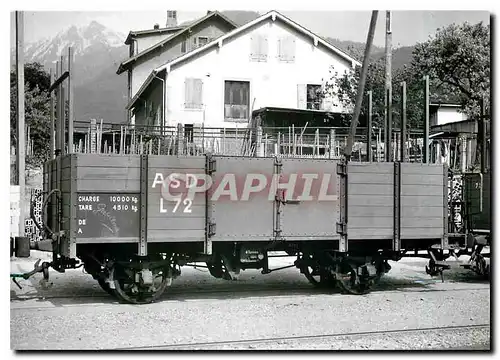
column 105, row 198
column 242, row 220
column 370, row 204
column 316, row 214
column 171, row 215
column 102, row 173
column 423, row 201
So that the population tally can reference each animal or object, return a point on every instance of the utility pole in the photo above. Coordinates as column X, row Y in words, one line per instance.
column 388, row 86
column 52, row 125
column 361, row 86
column 402, row 146
column 62, row 118
column 70, row 100
column 369, row 127
column 58, row 113
column 425, row 154
column 482, row 138
column 22, row 245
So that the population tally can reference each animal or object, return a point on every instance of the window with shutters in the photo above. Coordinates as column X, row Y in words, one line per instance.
column 193, row 94
column 286, row 49
column 236, row 100
column 258, row 48
column 310, row 96
column 314, row 97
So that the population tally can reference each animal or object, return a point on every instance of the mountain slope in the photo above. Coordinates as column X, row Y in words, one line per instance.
column 82, row 39
column 400, row 56
column 353, row 48
column 99, row 92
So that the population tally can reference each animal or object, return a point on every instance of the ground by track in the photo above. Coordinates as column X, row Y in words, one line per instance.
column 216, row 344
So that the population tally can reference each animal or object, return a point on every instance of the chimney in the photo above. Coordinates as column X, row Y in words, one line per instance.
column 156, row 26
column 171, row 18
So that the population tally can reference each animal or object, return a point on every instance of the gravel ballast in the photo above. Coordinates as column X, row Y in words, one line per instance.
column 202, row 309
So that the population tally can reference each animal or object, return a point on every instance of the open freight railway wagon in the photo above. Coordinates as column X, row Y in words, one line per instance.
column 135, row 220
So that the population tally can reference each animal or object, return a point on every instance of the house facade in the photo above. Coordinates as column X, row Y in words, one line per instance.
column 269, row 62
column 152, row 48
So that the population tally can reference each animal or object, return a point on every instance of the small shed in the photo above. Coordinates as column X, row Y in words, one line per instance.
column 445, row 113
column 284, row 117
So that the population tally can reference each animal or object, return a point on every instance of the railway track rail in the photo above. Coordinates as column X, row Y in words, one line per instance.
column 218, row 344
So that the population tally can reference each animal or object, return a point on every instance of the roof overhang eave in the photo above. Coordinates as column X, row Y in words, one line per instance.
column 124, row 66
column 129, row 38
column 141, row 90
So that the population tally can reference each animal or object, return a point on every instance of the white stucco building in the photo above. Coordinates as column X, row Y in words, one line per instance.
column 271, row 61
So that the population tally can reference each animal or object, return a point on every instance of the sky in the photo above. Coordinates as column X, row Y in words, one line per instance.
column 409, row 27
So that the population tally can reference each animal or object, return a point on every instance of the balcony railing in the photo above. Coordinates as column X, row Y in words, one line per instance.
column 318, row 142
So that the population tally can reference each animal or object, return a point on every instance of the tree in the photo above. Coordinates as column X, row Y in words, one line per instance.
column 344, row 88
column 458, row 65
column 34, row 75
column 457, row 59
column 37, row 112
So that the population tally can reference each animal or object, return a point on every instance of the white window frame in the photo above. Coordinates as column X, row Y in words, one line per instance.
column 320, row 103
column 231, row 119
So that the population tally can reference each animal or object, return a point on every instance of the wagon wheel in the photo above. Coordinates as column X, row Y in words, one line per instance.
column 382, row 269
column 93, row 269
column 317, row 275
column 312, row 274
column 481, row 268
column 432, row 269
column 127, row 290
column 105, row 286
column 349, row 281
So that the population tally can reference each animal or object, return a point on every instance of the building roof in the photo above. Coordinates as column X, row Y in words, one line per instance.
column 275, row 109
column 125, row 64
column 143, row 87
column 139, row 33
column 218, row 42
column 275, row 16
column 457, row 127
